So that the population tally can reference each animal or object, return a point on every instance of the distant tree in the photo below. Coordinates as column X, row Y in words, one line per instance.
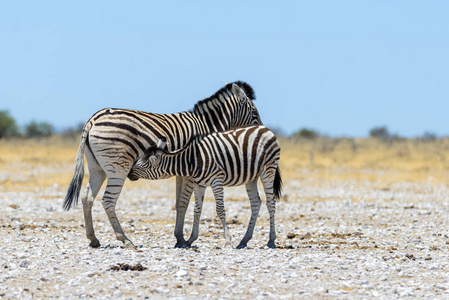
column 38, row 129
column 428, row 136
column 380, row 132
column 73, row 132
column 8, row 126
column 306, row 133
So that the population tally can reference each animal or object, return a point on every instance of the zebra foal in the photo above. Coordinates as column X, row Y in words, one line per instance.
column 229, row 158
column 113, row 139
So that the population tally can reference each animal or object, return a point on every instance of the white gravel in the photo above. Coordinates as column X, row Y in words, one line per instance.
column 347, row 239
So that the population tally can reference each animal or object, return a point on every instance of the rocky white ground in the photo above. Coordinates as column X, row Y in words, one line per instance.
column 347, row 239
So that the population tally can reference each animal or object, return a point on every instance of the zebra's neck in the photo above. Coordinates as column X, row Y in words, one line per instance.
column 210, row 116
column 214, row 114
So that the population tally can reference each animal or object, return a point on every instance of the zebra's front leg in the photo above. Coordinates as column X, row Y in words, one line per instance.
column 199, row 197
column 184, row 189
column 217, row 188
column 253, row 194
column 113, row 189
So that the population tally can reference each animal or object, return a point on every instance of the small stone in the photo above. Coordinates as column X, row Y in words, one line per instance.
column 181, row 273
column 25, row 238
column 74, row 282
column 161, row 290
column 24, row 263
column 433, row 267
column 117, row 294
column 291, row 235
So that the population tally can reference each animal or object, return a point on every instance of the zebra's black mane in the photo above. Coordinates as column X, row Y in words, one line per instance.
column 243, row 85
column 246, row 88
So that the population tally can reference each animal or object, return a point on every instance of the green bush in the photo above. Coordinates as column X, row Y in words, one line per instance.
column 8, row 126
column 306, row 133
column 380, row 132
column 38, row 129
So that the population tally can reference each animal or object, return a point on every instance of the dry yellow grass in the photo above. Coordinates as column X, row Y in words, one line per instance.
column 27, row 164
column 36, row 163
column 366, row 159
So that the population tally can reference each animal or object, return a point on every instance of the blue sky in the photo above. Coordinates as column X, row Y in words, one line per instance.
column 340, row 67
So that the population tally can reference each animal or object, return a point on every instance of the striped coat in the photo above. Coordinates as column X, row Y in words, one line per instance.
column 113, row 139
column 230, row 158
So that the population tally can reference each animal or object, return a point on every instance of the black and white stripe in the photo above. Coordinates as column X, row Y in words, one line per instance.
column 112, row 140
column 230, row 158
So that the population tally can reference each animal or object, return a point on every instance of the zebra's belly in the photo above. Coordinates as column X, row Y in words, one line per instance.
column 242, row 181
column 228, row 181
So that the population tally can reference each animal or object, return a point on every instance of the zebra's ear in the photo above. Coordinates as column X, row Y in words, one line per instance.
column 162, row 143
column 236, row 90
column 141, row 162
column 154, row 160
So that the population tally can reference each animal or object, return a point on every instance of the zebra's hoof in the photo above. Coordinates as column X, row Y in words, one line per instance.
column 241, row 246
column 95, row 244
column 271, row 245
column 129, row 245
column 182, row 244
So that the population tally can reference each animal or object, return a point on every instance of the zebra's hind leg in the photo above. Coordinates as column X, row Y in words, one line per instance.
column 184, row 189
column 96, row 179
column 267, row 179
column 88, row 201
column 113, row 189
column 253, row 194
column 199, row 197
column 217, row 188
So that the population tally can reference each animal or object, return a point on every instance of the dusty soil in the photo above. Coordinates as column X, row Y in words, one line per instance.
column 338, row 239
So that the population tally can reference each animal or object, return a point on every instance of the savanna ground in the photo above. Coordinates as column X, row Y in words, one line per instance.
column 360, row 218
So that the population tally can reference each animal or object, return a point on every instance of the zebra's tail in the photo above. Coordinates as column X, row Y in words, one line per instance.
column 77, row 180
column 277, row 185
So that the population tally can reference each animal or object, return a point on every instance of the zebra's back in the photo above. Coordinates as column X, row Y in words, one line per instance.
column 239, row 155
column 139, row 130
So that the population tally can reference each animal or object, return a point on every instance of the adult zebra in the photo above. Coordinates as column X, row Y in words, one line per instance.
column 230, row 158
column 112, row 140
